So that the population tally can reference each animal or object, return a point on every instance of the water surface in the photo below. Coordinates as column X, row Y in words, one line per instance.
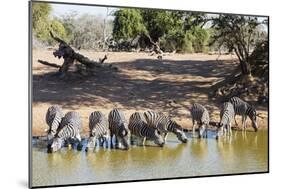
column 243, row 152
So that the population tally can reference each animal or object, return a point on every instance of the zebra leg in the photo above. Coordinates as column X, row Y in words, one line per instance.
column 80, row 145
column 143, row 141
column 244, row 122
column 193, row 128
column 206, row 131
column 230, row 131
column 107, row 138
column 236, row 124
column 165, row 137
column 111, row 138
column 117, row 144
column 131, row 139
column 101, row 141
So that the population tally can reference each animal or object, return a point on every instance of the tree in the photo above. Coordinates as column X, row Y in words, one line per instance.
column 237, row 33
column 58, row 28
column 40, row 19
column 163, row 30
column 128, row 23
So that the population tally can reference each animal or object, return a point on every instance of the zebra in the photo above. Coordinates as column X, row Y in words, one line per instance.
column 98, row 126
column 164, row 124
column 244, row 109
column 53, row 119
column 118, row 128
column 200, row 115
column 226, row 116
column 70, row 128
column 139, row 128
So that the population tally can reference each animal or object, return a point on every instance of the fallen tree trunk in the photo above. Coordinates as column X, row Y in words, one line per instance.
column 70, row 56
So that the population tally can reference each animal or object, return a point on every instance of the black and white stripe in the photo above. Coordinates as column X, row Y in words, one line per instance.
column 98, row 126
column 201, row 117
column 53, row 118
column 118, row 128
column 164, row 125
column 226, row 117
column 244, row 109
column 140, row 129
column 70, row 128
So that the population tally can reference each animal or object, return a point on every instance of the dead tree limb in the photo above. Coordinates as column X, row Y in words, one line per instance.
column 69, row 55
column 49, row 64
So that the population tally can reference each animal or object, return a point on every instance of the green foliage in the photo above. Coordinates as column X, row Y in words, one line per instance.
column 127, row 24
column 238, row 34
column 175, row 30
column 58, row 28
column 40, row 20
column 200, row 39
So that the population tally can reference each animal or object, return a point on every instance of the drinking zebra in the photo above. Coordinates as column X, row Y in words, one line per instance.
column 53, row 118
column 164, row 125
column 118, row 128
column 200, row 116
column 226, row 116
column 70, row 128
column 98, row 126
column 140, row 129
column 244, row 109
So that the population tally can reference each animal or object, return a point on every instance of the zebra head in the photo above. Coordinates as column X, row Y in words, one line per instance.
column 178, row 130
column 253, row 116
column 159, row 140
column 51, row 133
column 56, row 145
column 124, row 134
column 220, row 129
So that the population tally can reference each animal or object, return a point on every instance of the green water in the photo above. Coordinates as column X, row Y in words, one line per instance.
column 239, row 154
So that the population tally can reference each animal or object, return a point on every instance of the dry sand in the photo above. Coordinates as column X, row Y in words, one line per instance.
column 143, row 82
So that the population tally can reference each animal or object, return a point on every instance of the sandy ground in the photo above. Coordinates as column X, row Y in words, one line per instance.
column 143, row 82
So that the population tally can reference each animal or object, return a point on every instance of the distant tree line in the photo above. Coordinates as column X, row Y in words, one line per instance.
column 172, row 30
column 180, row 31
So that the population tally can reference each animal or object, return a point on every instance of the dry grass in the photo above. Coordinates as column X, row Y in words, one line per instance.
column 170, row 85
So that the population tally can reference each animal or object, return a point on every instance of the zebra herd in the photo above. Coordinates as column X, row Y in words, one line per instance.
column 150, row 125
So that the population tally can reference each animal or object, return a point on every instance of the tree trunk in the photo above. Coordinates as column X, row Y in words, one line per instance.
column 245, row 67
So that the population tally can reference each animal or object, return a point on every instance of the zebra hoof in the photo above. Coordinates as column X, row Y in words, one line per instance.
column 49, row 150
column 79, row 147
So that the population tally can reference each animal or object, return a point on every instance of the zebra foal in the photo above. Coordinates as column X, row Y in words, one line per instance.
column 98, row 126
column 165, row 125
column 140, row 129
column 118, row 128
column 70, row 128
column 244, row 109
column 200, row 116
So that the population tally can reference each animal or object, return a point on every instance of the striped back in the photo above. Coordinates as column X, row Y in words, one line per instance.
column 136, row 122
column 156, row 120
column 98, row 124
column 53, row 118
column 138, row 127
column 199, row 113
column 226, row 114
column 243, row 108
column 240, row 106
column 71, row 125
column 164, row 124
column 117, row 122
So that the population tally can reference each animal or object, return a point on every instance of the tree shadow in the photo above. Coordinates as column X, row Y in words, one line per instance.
column 107, row 88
